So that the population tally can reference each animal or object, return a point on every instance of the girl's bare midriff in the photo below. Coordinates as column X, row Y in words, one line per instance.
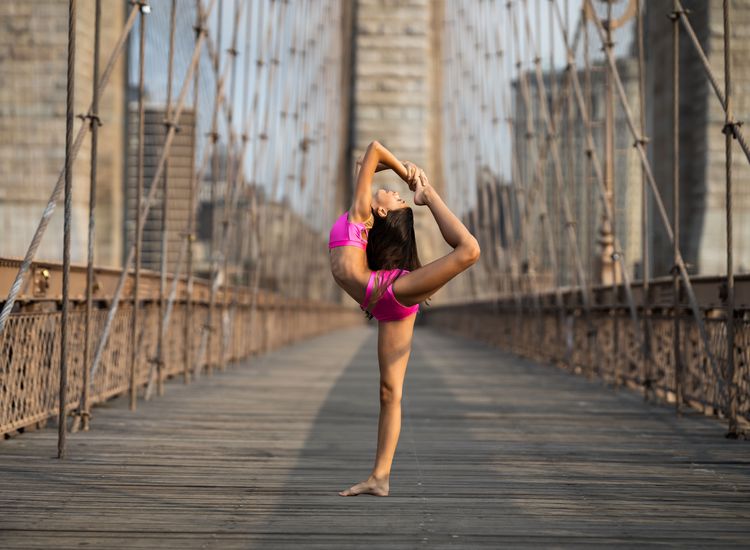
column 349, row 270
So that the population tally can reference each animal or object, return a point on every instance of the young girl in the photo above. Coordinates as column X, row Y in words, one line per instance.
column 374, row 258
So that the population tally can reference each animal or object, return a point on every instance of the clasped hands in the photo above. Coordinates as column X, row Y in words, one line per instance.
column 417, row 181
column 414, row 175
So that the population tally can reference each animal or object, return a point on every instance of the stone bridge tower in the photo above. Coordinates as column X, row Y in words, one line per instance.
column 396, row 92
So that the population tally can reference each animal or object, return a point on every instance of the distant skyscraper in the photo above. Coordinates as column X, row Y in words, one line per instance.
column 180, row 177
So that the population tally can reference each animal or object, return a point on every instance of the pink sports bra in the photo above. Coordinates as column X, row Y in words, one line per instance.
column 387, row 308
column 346, row 233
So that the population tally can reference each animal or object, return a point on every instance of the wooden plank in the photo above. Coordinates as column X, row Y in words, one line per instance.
column 494, row 450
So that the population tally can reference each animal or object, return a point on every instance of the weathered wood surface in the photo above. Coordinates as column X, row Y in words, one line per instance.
column 495, row 451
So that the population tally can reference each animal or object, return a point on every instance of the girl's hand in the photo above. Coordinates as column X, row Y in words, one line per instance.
column 412, row 174
column 422, row 190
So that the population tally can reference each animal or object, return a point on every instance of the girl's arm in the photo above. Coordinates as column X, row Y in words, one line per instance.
column 374, row 156
column 422, row 283
column 358, row 165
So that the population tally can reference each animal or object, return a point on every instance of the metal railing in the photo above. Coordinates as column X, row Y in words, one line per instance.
column 537, row 327
column 30, row 344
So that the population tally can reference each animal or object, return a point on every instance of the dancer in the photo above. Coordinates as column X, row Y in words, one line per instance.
column 373, row 253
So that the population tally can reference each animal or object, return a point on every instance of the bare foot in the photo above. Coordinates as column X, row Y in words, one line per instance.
column 370, row 486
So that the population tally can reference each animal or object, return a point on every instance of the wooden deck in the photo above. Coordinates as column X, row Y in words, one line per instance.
column 495, row 452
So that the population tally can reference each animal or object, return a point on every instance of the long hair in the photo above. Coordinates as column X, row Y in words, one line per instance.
column 391, row 244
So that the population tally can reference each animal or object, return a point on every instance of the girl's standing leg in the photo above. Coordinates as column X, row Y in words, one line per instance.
column 394, row 347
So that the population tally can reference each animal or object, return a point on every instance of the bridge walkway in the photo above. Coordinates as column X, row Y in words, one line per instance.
column 494, row 451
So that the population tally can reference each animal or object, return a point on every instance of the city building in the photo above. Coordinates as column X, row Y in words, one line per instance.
column 180, row 174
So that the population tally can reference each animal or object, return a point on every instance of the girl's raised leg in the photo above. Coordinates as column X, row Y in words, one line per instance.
column 422, row 283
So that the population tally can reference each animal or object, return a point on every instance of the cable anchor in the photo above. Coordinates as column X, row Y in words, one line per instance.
column 730, row 128
column 93, row 119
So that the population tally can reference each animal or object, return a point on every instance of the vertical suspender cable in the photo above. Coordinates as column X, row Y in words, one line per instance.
column 231, row 183
column 245, row 137
column 609, row 160
column 676, row 202
column 729, row 128
column 258, row 207
column 70, row 105
column 610, row 228
column 94, row 122
column 189, row 234
column 134, row 347
column 645, row 262
column 214, row 184
column 165, row 210
column 591, row 204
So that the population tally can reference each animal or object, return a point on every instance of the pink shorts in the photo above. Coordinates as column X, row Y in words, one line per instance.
column 387, row 308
